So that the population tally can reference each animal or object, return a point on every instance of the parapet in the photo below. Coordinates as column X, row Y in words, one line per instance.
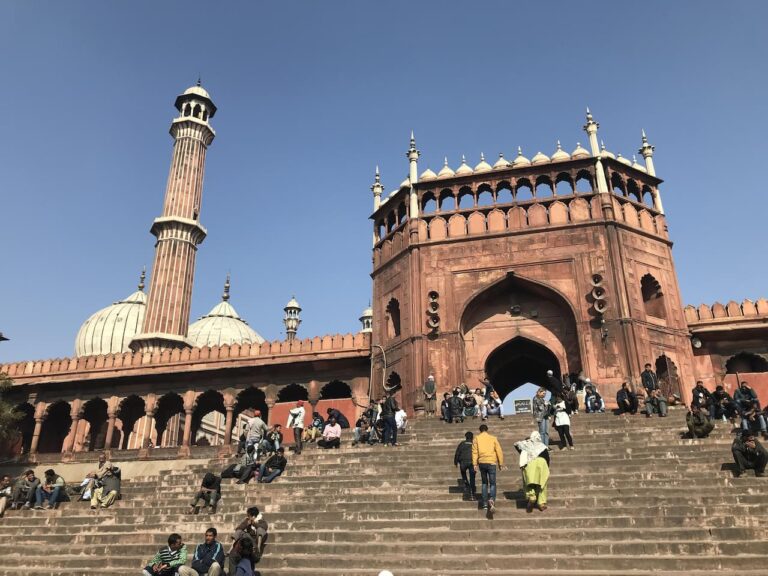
column 732, row 310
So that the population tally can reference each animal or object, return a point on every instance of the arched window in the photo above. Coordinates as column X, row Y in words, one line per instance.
column 584, row 183
column 428, row 203
column 746, row 362
column 334, row 390
column 543, row 187
column 523, row 191
column 617, row 186
column 447, row 201
column 292, row 393
column 563, row 185
column 466, row 199
column 504, row 195
column 653, row 297
column 393, row 318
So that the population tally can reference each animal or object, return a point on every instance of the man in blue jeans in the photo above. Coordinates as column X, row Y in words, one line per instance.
column 388, row 409
column 273, row 467
column 486, row 455
column 50, row 489
column 541, row 414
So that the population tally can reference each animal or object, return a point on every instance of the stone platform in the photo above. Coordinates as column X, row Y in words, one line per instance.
column 634, row 498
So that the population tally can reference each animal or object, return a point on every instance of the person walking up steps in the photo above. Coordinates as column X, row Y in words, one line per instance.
column 534, row 463
column 486, row 456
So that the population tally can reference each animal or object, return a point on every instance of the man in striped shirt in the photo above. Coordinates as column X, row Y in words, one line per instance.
column 168, row 560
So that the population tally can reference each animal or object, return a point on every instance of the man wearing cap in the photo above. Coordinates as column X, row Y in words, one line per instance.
column 296, row 423
column 555, row 384
column 748, row 453
column 430, row 395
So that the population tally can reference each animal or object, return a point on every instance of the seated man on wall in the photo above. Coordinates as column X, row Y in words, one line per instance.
column 107, row 489
column 457, row 406
column 331, row 435
column 341, row 420
column 169, row 558
column 315, row 428
column 593, row 402
column 699, row 424
column 24, row 491
column 93, row 477
column 493, row 407
column 626, row 400
column 749, row 454
column 243, row 469
column 51, row 489
column 655, row 403
column 273, row 467
column 273, row 440
column 445, row 408
column 752, row 419
column 723, row 405
column 470, row 407
column 208, row 494
column 208, row 559
column 401, row 421
column 360, row 431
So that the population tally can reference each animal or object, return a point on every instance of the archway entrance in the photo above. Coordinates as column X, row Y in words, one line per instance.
column 520, row 361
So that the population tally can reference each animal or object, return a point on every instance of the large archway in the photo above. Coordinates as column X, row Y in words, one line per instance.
column 520, row 361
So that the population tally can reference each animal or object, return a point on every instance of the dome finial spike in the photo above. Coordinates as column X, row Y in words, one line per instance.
column 559, row 147
column 445, row 163
column 482, row 157
column 142, row 278
column 463, row 159
column 602, row 144
column 199, row 80
column 225, row 296
column 519, row 150
column 378, row 175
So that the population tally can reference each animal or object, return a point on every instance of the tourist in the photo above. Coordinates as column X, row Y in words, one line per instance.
column 25, row 490
column 493, row 407
column 487, row 387
column 331, row 435
column 429, row 390
column 401, row 420
column 655, row 403
column 749, row 454
column 253, row 529
column 241, row 440
column 296, row 423
column 555, row 384
column 273, row 467
column 752, row 419
column 169, row 559
column 470, row 407
column 243, row 468
column 247, row 558
column 274, row 439
column 6, row 493
column 256, row 430
column 208, row 559
column 374, row 410
column 541, row 410
column 649, row 380
column 486, row 455
column 463, row 459
column 51, row 489
column 563, row 423
column 388, row 409
column 209, row 494
column 723, row 405
column 457, row 406
column 479, row 399
column 699, row 424
column 593, row 402
column 626, row 400
column 315, row 428
column 702, row 398
column 107, row 489
column 360, row 431
column 341, row 420
column 534, row 462
column 445, row 408
column 92, row 477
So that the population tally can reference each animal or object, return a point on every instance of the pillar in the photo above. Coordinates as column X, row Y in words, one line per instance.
column 69, row 441
column 36, row 435
column 230, row 412
column 111, row 417
column 187, row 427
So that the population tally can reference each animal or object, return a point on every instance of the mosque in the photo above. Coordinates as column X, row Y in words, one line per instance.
column 502, row 270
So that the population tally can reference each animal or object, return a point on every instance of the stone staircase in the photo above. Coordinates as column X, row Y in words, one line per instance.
column 633, row 498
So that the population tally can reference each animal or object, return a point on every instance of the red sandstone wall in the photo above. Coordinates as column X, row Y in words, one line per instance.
column 279, row 415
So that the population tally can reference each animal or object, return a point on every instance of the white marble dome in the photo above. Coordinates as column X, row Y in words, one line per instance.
column 111, row 329
column 220, row 326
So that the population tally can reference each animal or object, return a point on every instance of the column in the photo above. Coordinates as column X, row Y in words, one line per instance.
column 36, row 435
column 187, row 427
column 146, row 431
column 111, row 416
column 230, row 408
column 69, row 441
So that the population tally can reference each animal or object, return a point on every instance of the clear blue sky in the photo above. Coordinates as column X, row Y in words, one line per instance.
column 311, row 96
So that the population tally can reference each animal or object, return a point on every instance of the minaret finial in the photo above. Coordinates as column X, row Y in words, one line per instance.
column 559, row 147
column 602, row 144
column 142, row 278
column 225, row 296
column 482, row 157
column 199, row 80
column 519, row 150
column 445, row 161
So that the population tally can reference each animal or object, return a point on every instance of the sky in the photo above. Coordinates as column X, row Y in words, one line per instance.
column 311, row 97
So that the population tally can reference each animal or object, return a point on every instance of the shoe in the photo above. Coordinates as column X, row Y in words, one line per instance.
column 760, row 474
column 51, row 507
column 542, row 507
column 26, row 506
column 529, row 506
column 38, row 507
column 501, row 417
column 213, row 509
column 239, row 482
column 491, row 505
column 572, row 448
column 93, row 506
column 737, row 474
column 196, row 510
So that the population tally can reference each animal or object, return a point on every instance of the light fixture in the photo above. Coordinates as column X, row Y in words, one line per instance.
column 696, row 343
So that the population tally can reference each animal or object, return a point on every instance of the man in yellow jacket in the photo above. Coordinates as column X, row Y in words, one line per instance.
column 486, row 455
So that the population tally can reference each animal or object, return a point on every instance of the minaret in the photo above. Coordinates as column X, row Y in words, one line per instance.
column 291, row 318
column 178, row 230
column 377, row 190
column 413, row 176
column 591, row 129
column 647, row 151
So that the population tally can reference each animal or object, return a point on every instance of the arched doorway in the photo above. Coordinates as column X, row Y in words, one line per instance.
column 517, row 362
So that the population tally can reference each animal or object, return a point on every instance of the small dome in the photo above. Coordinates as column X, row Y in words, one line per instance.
column 427, row 175
column 111, row 329
column 623, row 160
column 580, row 152
column 605, row 153
column 197, row 90
column 501, row 163
column 405, row 183
column 222, row 325
column 482, row 166
column 636, row 165
column 464, row 169
column 446, row 171
column 292, row 303
column 560, row 155
column 366, row 319
column 540, row 159
column 520, row 160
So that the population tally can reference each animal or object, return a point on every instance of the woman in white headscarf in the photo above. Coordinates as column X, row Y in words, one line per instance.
column 534, row 463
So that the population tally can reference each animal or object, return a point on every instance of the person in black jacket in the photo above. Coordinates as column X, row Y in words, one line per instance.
column 388, row 408
column 341, row 420
column 626, row 399
column 463, row 459
column 723, row 405
column 209, row 493
column 702, row 398
column 748, row 453
column 445, row 408
column 457, row 407
column 273, row 467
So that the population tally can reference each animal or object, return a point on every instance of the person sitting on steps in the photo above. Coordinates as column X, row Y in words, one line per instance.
column 243, row 468
column 470, row 407
column 655, row 403
column 315, row 428
column 493, row 407
column 445, row 408
column 209, row 494
column 699, row 424
column 6, row 493
column 169, row 559
column 24, row 491
column 273, row 440
column 702, row 398
column 457, row 406
column 723, row 405
column 208, row 559
column 273, row 467
column 626, row 400
column 463, row 459
column 593, row 402
column 749, row 454
column 341, row 420
column 107, row 489
column 253, row 528
column 51, row 489
column 331, row 435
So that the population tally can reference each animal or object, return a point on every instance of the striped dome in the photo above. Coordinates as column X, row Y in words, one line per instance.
column 111, row 329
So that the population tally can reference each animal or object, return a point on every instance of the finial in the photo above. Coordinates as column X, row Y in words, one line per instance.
column 482, row 157
column 142, row 278
column 602, row 145
column 558, row 145
column 199, row 81
column 645, row 139
column 225, row 296
column 378, row 176
column 463, row 160
column 445, row 163
column 589, row 114
column 634, row 159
